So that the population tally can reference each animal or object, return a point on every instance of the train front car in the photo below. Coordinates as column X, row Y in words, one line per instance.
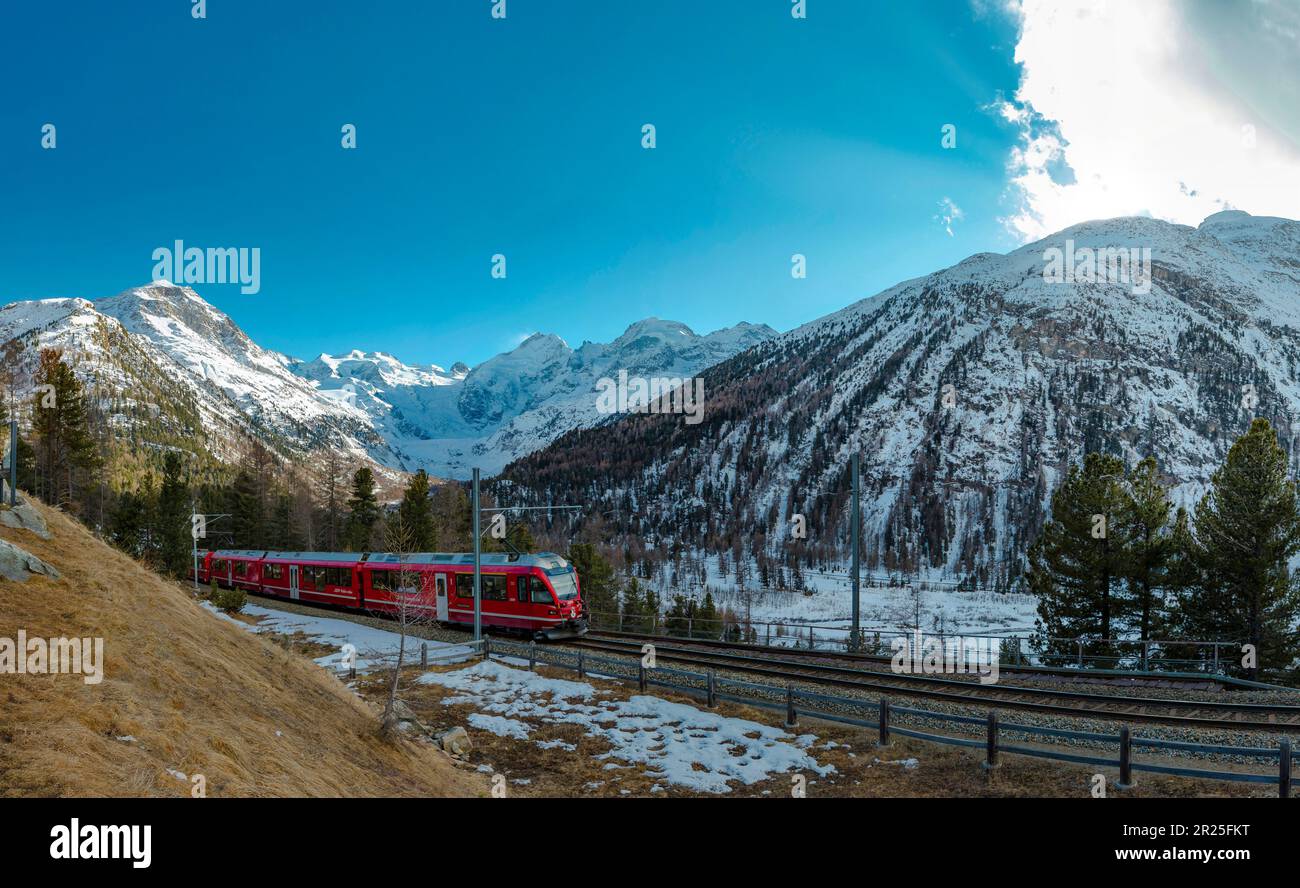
column 562, row 579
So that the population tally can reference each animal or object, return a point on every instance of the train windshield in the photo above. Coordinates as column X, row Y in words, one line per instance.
column 562, row 578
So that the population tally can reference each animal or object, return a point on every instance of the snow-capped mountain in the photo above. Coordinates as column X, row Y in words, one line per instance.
column 222, row 387
column 967, row 393
column 144, row 392
column 447, row 422
column 216, row 355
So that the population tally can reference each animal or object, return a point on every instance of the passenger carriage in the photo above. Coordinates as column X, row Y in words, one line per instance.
column 536, row 594
column 322, row 577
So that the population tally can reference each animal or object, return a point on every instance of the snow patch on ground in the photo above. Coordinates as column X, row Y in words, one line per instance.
column 675, row 742
column 499, row 725
column 374, row 647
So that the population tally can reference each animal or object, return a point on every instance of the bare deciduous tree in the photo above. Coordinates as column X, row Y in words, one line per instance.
column 413, row 606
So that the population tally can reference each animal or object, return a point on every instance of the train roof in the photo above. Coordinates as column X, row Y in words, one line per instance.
column 338, row 557
column 544, row 560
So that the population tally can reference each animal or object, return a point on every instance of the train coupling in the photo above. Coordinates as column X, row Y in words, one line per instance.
column 567, row 629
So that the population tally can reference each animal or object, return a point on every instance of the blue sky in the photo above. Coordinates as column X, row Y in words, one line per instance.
column 519, row 136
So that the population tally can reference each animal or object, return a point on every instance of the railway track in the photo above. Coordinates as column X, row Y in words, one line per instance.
column 1099, row 675
column 1194, row 714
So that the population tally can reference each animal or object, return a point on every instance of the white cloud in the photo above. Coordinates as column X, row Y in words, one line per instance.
column 949, row 213
column 1165, row 108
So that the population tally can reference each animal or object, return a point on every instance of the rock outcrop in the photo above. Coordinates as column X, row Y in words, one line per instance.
column 17, row 564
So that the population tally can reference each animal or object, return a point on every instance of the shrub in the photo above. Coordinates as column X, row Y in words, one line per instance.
column 229, row 599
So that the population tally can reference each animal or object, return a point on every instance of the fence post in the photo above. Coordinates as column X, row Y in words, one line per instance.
column 690, row 629
column 424, row 655
column 991, row 758
column 640, row 676
column 1081, row 653
column 1284, row 768
column 884, row 721
column 768, row 642
column 1125, row 758
column 487, row 647
column 1146, row 655
column 791, row 717
column 713, row 689
column 582, row 672
column 532, row 656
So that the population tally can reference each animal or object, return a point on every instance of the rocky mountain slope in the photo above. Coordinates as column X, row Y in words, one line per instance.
column 967, row 393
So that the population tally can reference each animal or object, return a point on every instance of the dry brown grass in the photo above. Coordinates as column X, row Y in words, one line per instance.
column 200, row 696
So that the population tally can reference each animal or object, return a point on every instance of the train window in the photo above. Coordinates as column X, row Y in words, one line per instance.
column 218, row 567
column 309, row 576
column 541, row 595
column 464, row 585
column 566, row 587
column 395, row 581
column 521, row 585
column 339, row 576
column 241, row 568
column 494, row 586
column 273, row 572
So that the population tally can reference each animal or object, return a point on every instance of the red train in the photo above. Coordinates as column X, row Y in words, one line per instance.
column 537, row 594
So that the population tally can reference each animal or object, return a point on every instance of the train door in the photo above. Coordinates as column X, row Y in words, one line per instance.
column 540, row 606
column 440, row 581
column 293, row 581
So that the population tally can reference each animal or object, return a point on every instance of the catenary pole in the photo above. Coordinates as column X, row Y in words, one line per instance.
column 13, row 462
column 478, row 598
column 856, row 530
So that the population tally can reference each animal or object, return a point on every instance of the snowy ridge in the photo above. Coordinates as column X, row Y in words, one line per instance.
column 447, row 422
column 370, row 405
column 1040, row 371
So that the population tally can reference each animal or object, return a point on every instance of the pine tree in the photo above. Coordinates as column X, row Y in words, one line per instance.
column 596, row 580
column 677, row 620
column 416, row 514
column 332, row 523
column 174, row 540
column 61, row 424
column 363, row 511
column 1078, row 562
column 1146, row 528
column 451, row 518
column 280, row 529
column 147, row 494
column 706, row 623
column 632, row 607
column 1247, row 531
column 244, row 505
column 127, row 524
